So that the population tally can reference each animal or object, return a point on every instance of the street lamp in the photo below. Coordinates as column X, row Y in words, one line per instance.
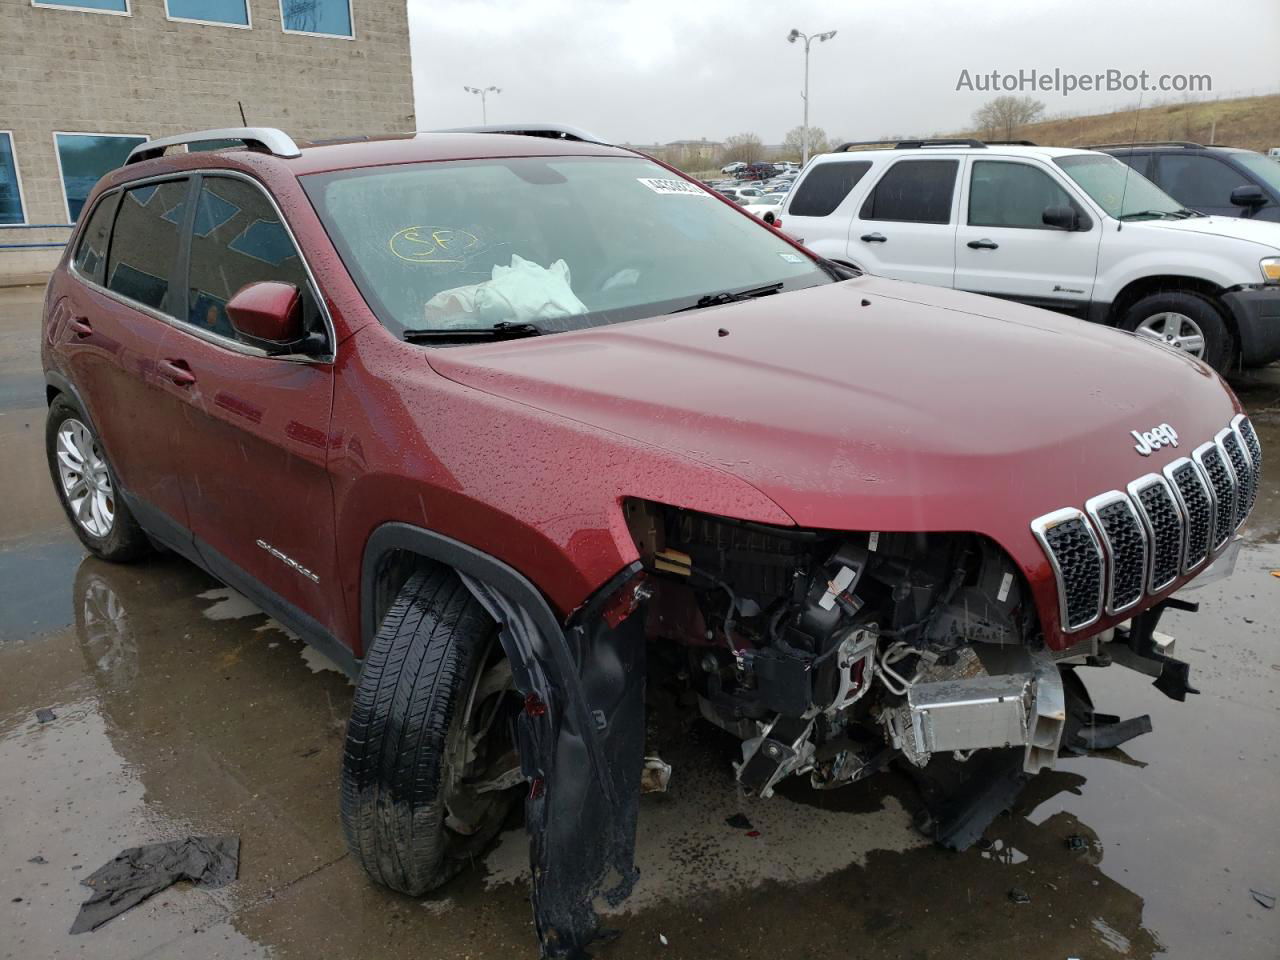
column 484, row 92
column 792, row 37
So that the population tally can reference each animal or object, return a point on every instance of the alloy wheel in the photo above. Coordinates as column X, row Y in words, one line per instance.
column 84, row 477
column 1175, row 330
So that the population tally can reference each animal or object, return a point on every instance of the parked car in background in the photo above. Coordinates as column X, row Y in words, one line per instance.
column 622, row 485
column 1070, row 230
column 732, row 167
column 765, row 206
column 740, row 194
column 757, row 171
column 1222, row 181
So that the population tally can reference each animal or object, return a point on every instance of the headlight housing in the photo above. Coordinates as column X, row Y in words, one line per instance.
column 1270, row 269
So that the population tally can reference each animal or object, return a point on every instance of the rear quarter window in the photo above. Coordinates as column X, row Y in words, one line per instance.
column 825, row 188
column 91, row 253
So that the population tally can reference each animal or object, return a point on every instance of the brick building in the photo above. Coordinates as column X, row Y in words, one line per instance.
column 83, row 81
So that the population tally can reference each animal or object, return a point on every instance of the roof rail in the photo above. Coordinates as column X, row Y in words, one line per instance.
column 1011, row 143
column 273, row 141
column 942, row 142
column 553, row 131
column 915, row 144
column 1184, row 144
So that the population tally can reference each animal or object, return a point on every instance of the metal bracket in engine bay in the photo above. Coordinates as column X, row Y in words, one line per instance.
column 1019, row 702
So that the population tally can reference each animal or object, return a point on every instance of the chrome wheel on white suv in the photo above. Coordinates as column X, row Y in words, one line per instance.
column 86, row 484
column 1175, row 330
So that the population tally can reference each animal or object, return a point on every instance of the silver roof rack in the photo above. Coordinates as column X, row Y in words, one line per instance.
column 276, row 142
column 554, row 131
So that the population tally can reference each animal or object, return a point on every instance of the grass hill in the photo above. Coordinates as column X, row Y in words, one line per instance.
column 1252, row 122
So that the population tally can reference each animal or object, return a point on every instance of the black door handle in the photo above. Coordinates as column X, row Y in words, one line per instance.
column 874, row 238
column 983, row 245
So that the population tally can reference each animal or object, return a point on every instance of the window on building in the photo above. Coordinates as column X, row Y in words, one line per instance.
column 91, row 255
column 1005, row 194
column 237, row 240
column 91, row 6
column 144, row 243
column 11, row 210
column 329, row 17
column 826, row 186
column 83, row 158
column 914, row 191
column 234, row 13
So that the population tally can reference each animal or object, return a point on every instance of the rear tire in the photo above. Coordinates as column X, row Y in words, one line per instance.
column 1175, row 317
column 88, row 488
column 406, row 771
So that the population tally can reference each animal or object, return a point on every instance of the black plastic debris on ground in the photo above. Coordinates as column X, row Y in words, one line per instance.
column 1267, row 900
column 44, row 715
column 1018, row 895
column 738, row 821
column 142, row 872
column 37, row 859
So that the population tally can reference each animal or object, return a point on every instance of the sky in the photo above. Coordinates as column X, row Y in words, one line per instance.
column 654, row 71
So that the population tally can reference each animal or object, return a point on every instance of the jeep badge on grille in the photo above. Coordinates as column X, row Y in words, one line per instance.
column 1154, row 439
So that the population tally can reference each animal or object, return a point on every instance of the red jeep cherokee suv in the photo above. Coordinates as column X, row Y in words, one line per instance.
column 524, row 430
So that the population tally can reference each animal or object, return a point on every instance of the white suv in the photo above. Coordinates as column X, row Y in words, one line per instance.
column 1070, row 230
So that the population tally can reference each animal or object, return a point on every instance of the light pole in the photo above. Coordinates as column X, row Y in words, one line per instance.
column 484, row 92
column 792, row 37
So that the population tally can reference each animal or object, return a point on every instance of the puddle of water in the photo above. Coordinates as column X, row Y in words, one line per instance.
column 688, row 850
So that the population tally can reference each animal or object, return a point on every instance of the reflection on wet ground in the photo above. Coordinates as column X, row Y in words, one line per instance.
column 179, row 708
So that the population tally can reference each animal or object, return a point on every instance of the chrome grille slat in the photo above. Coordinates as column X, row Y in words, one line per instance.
column 1076, row 557
column 1195, row 499
column 1233, row 450
column 1222, row 484
column 1137, row 543
column 1164, row 522
column 1125, row 547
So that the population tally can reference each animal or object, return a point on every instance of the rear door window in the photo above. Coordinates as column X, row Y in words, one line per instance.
column 238, row 239
column 91, row 254
column 914, row 191
column 825, row 188
column 144, row 244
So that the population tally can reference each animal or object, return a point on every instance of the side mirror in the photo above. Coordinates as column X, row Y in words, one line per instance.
column 268, row 314
column 1248, row 195
column 1061, row 218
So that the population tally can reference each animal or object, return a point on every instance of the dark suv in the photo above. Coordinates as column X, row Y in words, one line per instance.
column 1217, row 180
column 556, row 452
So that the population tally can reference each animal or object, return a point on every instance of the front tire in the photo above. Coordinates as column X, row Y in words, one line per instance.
column 88, row 488
column 428, row 761
column 1184, row 321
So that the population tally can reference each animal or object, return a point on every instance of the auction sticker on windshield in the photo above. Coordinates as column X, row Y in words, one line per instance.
column 673, row 187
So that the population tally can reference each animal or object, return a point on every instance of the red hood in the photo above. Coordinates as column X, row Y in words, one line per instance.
column 923, row 410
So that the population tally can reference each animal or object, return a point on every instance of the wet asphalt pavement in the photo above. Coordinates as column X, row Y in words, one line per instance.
column 181, row 709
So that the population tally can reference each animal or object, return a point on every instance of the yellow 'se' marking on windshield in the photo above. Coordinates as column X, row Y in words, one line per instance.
column 423, row 244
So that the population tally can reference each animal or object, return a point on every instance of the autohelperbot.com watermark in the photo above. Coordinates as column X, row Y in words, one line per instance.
column 1066, row 82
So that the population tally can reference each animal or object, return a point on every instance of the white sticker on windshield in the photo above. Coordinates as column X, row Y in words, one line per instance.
column 673, row 187
column 792, row 257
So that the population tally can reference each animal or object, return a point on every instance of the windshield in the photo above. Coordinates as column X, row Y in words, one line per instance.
column 1108, row 180
column 1263, row 168
column 558, row 242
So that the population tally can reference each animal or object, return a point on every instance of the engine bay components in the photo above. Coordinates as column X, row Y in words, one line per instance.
column 833, row 653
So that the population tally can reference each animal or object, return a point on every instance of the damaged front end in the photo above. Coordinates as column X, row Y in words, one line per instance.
column 829, row 655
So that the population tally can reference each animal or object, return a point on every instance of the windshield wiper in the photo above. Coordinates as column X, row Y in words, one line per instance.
column 505, row 330
column 715, row 299
column 1148, row 213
